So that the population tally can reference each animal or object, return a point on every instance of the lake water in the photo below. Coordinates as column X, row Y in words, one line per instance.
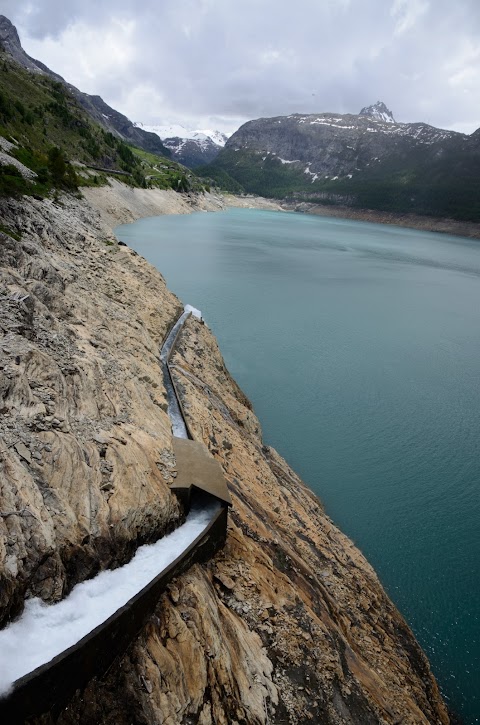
column 359, row 346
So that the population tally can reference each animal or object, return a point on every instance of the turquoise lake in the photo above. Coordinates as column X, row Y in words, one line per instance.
column 359, row 346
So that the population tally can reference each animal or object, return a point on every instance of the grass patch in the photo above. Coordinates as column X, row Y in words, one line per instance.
column 9, row 232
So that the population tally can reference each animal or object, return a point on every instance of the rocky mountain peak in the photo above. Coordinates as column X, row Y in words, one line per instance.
column 8, row 32
column 379, row 112
column 10, row 42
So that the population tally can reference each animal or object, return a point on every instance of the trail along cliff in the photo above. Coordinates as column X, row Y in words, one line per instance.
column 289, row 623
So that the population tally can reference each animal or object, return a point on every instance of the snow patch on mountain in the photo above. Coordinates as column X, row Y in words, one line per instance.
column 379, row 112
column 176, row 130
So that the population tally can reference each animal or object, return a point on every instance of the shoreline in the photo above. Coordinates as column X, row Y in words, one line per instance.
column 120, row 204
column 109, row 462
column 470, row 230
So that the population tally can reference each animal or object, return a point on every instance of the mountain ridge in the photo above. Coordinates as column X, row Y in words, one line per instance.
column 111, row 120
column 364, row 160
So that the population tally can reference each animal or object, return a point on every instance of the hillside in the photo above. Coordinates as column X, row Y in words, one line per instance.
column 49, row 141
column 360, row 161
column 289, row 623
column 100, row 112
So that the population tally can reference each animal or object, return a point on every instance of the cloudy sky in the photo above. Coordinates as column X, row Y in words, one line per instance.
column 217, row 63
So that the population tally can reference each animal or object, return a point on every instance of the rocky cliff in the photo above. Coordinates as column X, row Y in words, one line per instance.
column 289, row 623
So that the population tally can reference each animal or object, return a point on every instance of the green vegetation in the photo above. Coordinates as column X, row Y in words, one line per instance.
column 55, row 138
column 10, row 232
column 425, row 181
column 163, row 173
column 215, row 176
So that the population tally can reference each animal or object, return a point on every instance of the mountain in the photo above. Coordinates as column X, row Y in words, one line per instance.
column 191, row 148
column 367, row 160
column 51, row 139
column 95, row 106
column 379, row 112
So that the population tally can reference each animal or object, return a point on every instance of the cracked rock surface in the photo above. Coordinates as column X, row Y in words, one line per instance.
column 288, row 623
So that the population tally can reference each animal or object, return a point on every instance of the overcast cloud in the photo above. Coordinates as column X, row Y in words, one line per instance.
column 217, row 63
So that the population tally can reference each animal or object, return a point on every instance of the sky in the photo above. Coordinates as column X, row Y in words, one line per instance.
column 218, row 63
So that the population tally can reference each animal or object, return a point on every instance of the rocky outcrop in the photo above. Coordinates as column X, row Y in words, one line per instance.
column 378, row 111
column 78, row 373
column 289, row 623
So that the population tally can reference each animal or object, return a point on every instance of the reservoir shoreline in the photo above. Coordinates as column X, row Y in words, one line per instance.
column 253, row 249
column 87, row 462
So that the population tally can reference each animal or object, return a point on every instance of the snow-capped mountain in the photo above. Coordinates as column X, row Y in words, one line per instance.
column 366, row 160
column 379, row 112
column 326, row 146
column 189, row 147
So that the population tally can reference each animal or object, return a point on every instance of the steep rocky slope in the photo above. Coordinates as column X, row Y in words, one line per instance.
column 97, row 109
column 288, row 624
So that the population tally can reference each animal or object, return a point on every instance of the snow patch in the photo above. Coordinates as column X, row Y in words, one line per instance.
column 176, row 130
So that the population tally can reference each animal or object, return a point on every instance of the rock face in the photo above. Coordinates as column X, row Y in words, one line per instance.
column 69, row 400
column 289, row 623
column 378, row 111
column 95, row 106
column 334, row 145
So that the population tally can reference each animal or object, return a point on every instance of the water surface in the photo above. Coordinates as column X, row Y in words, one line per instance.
column 359, row 346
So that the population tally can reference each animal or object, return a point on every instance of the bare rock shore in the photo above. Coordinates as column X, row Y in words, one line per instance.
column 289, row 623
column 412, row 221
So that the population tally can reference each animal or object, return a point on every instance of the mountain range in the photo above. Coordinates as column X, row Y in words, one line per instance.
column 187, row 147
column 367, row 160
column 364, row 161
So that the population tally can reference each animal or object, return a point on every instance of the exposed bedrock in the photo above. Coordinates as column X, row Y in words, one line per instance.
column 288, row 623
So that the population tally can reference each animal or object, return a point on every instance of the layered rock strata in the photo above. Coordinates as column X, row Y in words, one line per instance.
column 289, row 623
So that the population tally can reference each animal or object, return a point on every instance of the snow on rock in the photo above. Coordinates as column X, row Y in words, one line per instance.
column 217, row 136
column 176, row 130
column 379, row 112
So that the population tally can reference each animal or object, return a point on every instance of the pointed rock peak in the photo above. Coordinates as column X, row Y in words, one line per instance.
column 11, row 44
column 379, row 112
column 8, row 33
